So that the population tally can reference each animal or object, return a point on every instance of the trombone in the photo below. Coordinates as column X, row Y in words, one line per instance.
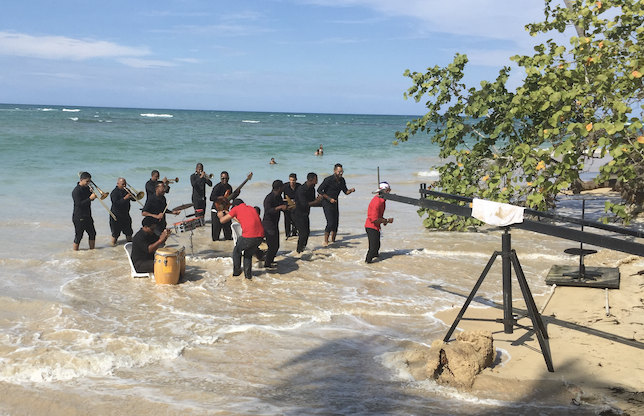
column 104, row 195
column 138, row 195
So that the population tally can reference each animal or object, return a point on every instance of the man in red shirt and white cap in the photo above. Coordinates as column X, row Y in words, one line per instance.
column 374, row 219
column 252, row 235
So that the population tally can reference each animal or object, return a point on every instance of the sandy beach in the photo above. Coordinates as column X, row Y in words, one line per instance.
column 597, row 358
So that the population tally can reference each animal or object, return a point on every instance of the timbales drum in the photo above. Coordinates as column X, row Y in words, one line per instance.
column 189, row 225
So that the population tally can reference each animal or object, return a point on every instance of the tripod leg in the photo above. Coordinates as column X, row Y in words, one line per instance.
column 471, row 296
column 537, row 323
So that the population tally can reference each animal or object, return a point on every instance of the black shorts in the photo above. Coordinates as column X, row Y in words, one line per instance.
column 80, row 226
column 122, row 225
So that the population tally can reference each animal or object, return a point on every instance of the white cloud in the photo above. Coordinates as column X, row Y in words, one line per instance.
column 228, row 30
column 188, row 60
column 226, row 51
column 144, row 63
column 60, row 75
column 60, row 47
column 244, row 15
column 166, row 13
column 336, row 40
column 499, row 19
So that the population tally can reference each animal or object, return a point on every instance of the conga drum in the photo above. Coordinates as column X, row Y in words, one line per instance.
column 167, row 266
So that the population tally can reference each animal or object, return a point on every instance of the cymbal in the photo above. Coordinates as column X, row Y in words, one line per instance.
column 180, row 207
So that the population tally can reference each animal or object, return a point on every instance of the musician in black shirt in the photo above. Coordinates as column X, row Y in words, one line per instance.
column 218, row 191
column 145, row 243
column 82, row 215
column 304, row 200
column 273, row 205
column 330, row 190
column 289, row 191
column 199, row 180
column 121, row 199
column 156, row 207
column 151, row 185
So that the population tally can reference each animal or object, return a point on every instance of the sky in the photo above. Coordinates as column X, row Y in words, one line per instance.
column 308, row 56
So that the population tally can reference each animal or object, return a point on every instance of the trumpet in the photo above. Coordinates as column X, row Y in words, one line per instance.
column 102, row 194
column 138, row 195
column 207, row 175
column 173, row 180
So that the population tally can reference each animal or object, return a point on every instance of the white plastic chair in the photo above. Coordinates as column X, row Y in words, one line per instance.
column 128, row 249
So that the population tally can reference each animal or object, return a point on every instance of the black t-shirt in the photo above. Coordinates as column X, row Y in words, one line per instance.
column 156, row 205
column 219, row 190
column 199, row 187
column 304, row 195
column 120, row 206
column 82, row 203
column 332, row 188
column 290, row 192
column 140, row 244
column 271, row 215
column 151, row 188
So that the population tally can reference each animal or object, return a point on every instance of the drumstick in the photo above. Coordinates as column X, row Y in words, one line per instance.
column 166, row 208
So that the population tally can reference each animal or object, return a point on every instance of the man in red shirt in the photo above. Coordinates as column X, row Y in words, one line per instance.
column 251, row 238
column 374, row 219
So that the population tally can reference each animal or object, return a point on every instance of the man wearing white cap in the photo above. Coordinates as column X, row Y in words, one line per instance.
column 374, row 219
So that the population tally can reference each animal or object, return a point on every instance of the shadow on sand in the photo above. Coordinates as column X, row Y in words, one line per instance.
column 345, row 377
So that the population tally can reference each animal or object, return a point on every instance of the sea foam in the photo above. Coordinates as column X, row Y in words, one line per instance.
column 156, row 115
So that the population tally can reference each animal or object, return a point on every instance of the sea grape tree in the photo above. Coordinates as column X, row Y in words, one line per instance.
column 577, row 102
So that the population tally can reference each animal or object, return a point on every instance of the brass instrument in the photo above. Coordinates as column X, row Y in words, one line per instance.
column 209, row 175
column 102, row 194
column 290, row 202
column 138, row 195
column 173, row 180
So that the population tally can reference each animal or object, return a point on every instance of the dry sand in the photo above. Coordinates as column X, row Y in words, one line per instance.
column 597, row 359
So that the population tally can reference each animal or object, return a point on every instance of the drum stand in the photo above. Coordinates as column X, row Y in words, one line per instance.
column 509, row 321
column 185, row 216
column 192, row 253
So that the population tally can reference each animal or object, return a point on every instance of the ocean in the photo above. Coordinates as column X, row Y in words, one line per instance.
column 78, row 335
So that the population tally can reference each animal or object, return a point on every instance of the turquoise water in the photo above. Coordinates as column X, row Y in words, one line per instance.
column 44, row 148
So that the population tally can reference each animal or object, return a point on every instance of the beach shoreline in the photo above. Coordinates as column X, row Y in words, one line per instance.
column 596, row 358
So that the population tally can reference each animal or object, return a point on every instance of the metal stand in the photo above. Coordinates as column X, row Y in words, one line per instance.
column 192, row 253
column 582, row 274
column 185, row 216
column 510, row 259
